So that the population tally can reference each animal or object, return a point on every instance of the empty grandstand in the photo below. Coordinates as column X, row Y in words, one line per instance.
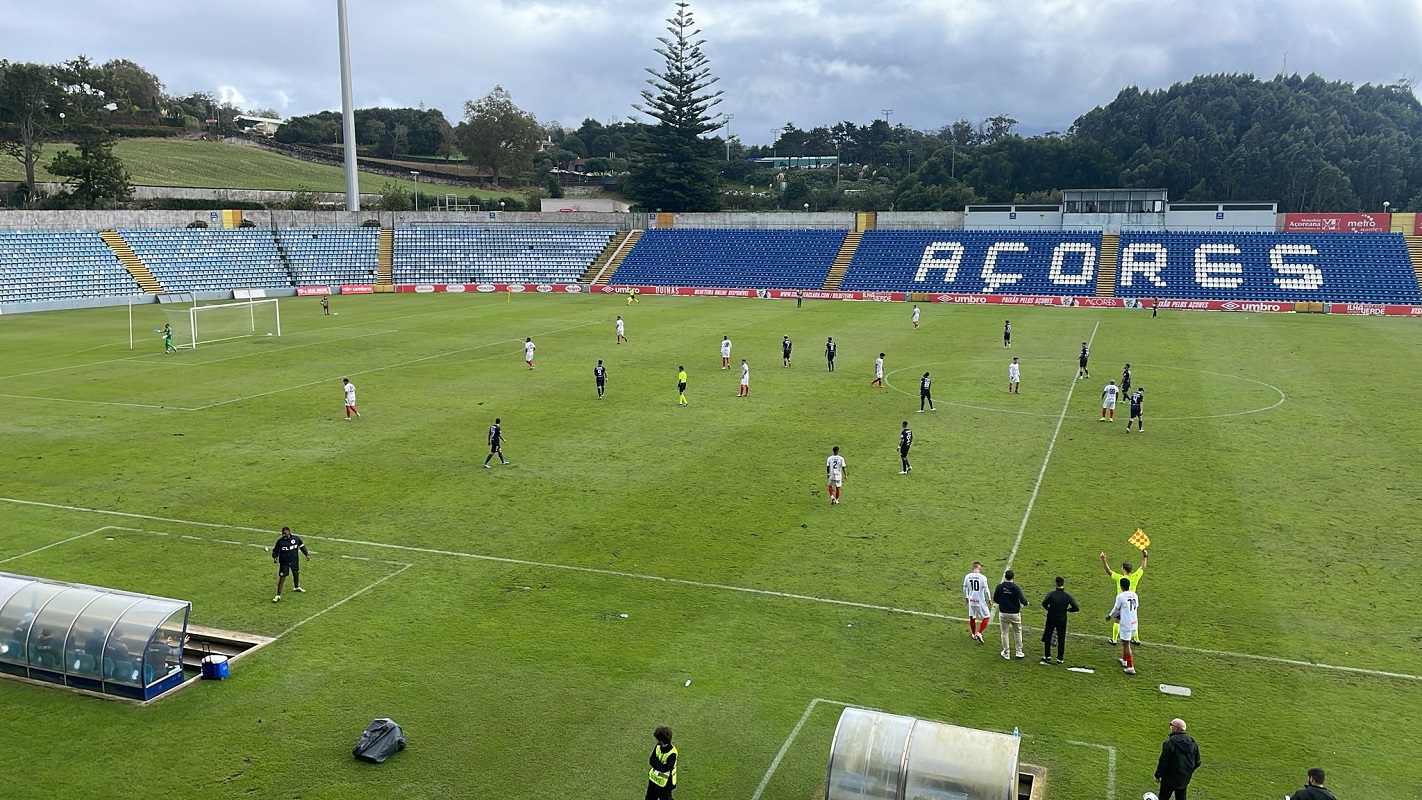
column 990, row 262
column 59, row 265
column 1373, row 268
column 496, row 253
column 760, row 259
column 329, row 255
column 195, row 259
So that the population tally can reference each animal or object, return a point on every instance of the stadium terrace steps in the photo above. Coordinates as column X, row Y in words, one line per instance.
column 1108, row 265
column 131, row 262
column 385, row 261
column 841, row 261
column 1414, row 252
column 601, row 269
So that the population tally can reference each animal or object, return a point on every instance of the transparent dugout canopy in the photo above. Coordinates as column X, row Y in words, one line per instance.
column 87, row 637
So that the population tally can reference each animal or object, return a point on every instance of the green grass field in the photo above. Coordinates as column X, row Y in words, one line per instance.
column 483, row 609
column 217, row 165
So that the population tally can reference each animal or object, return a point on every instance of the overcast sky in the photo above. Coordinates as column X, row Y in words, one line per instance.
column 810, row 62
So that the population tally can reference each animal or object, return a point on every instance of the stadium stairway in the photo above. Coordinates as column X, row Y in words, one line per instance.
column 600, row 270
column 135, row 266
column 841, row 262
column 1108, row 265
column 1414, row 251
column 385, row 261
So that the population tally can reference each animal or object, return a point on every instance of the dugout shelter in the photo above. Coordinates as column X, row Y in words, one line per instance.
column 879, row 756
column 86, row 637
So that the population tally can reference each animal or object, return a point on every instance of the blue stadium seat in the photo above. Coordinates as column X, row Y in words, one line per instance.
column 325, row 256
column 60, row 265
column 751, row 259
column 196, row 259
column 1327, row 267
column 496, row 253
column 985, row 262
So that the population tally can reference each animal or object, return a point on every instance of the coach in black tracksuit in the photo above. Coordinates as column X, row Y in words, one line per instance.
column 287, row 554
column 1058, row 604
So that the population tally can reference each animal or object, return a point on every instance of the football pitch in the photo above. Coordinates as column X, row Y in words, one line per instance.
column 530, row 624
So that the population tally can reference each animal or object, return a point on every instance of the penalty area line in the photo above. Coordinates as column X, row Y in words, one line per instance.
column 1292, row 662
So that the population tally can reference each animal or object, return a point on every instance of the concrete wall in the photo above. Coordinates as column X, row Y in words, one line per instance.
column 1013, row 219
column 828, row 220
column 99, row 220
column 1219, row 220
column 218, row 195
column 919, row 220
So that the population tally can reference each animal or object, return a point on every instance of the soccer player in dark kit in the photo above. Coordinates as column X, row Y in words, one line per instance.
column 286, row 554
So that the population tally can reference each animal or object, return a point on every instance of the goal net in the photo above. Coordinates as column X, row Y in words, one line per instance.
column 198, row 325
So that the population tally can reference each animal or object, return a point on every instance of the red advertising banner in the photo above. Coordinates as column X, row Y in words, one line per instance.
column 489, row 288
column 769, row 294
column 1375, row 309
column 1067, row 301
column 308, row 291
column 1417, row 225
column 357, row 288
column 1269, row 306
column 1337, row 223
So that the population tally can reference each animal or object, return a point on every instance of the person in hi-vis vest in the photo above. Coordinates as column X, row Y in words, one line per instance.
column 661, row 778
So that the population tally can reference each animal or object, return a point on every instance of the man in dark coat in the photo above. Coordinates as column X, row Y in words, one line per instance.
column 1314, row 790
column 1058, row 604
column 1179, row 758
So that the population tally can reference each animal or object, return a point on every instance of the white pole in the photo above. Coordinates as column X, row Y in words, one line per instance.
column 252, row 312
column 130, row 323
column 348, row 112
column 277, row 307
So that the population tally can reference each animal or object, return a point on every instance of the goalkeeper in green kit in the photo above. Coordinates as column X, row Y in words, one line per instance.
column 168, row 339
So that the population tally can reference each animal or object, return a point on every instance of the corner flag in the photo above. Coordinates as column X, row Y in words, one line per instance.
column 1139, row 539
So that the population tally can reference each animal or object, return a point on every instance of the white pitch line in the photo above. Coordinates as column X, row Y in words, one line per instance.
column 790, row 740
column 56, row 544
column 1042, row 473
column 1110, row 765
column 1293, row 662
column 344, row 600
column 92, row 402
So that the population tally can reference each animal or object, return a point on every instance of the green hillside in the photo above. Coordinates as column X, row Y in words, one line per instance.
column 189, row 162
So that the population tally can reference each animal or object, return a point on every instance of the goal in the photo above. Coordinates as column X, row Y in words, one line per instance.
column 220, row 322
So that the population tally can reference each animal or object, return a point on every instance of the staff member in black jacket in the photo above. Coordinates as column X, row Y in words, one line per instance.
column 1010, row 600
column 1058, row 604
column 285, row 553
column 1179, row 758
column 661, row 778
column 1314, row 790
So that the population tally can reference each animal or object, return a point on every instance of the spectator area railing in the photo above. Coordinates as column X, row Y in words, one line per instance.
column 197, row 259
column 496, row 253
column 60, row 265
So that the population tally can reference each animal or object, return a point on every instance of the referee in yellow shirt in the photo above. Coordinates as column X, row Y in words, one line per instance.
column 1134, row 576
column 681, row 386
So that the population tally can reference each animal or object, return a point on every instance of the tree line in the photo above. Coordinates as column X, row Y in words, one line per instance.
column 1308, row 143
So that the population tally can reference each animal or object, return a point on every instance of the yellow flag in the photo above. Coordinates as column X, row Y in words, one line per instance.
column 1139, row 539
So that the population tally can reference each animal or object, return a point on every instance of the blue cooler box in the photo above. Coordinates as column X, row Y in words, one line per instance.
column 214, row 667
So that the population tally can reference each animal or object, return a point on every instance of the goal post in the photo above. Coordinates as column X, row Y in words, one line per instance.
column 197, row 325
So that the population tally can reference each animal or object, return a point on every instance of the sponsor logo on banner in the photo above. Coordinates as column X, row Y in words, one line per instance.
column 573, row 288
column 484, row 287
column 1337, row 223
column 424, row 288
column 544, row 288
column 357, row 288
column 309, row 291
column 455, row 288
column 880, row 297
column 1364, row 309
column 515, row 287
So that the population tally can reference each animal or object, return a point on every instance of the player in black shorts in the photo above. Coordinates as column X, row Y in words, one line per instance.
column 1137, row 401
column 1126, row 381
column 600, row 375
column 785, row 346
column 286, row 553
column 905, row 442
column 1081, row 370
column 924, row 395
column 830, row 347
column 496, row 443
column 1007, row 333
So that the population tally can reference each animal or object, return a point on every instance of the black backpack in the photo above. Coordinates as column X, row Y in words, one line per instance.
column 381, row 739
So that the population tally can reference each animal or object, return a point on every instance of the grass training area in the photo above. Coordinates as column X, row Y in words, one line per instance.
column 529, row 625
column 218, row 165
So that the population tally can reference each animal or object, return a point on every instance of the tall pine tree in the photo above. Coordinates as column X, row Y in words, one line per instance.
column 678, row 170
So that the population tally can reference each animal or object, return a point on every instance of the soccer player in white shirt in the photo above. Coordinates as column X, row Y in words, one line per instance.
column 745, row 379
column 834, row 475
column 878, row 372
column 725, row 352
column 621, row 332
column 1125, row 613
column 350, row 398
column 915, row 317
column 528, row 347
column 975, row 591
column 1108, row 400
column 1014, row 377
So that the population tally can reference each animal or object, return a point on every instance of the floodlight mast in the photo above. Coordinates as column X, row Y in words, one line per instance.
column 348, row 112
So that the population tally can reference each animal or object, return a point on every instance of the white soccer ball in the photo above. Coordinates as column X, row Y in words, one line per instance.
column 1149, row 796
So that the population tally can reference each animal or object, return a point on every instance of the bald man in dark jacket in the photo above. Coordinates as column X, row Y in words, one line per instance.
column 1179, row 758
